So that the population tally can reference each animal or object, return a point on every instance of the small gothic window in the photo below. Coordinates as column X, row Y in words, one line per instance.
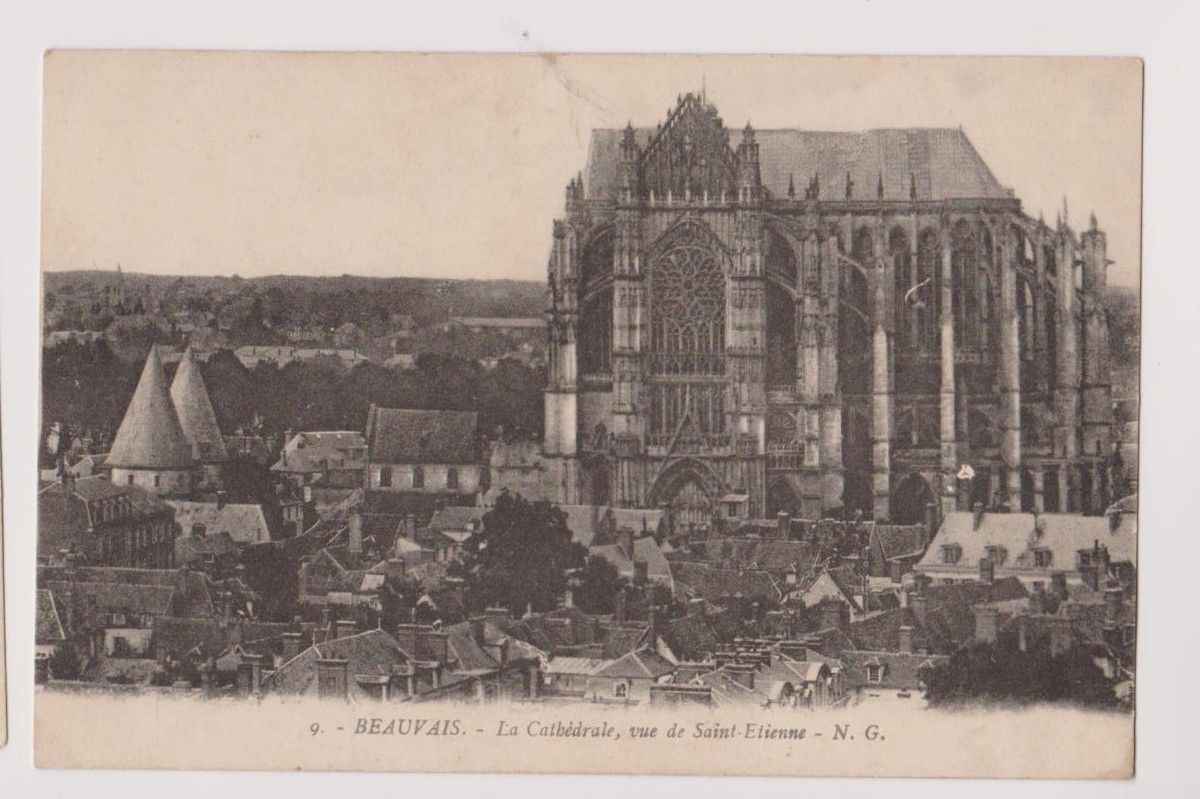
column 620, row 690
column 385, row 477
column 875, row 673
column 418, row 477
column 452, row 478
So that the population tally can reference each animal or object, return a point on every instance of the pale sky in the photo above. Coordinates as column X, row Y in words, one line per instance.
column 454, row 165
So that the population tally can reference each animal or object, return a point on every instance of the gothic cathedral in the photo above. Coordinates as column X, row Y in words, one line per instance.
column 750, row 323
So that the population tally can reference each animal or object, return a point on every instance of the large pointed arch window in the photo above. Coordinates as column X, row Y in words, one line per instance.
column 902, row 274
column 686, row 355
column 964, row 271
column 596, row 307
column 926, row 297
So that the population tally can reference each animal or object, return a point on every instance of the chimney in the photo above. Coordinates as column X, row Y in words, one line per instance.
column 1114, row 521
column 433, row 645
column 641, row 572
column 656, row 622
column 1058, row 586
column 477, row 630
column 292, row 643
column 333, row 678
column 354, row 532
column 987, row 571
column 619, row 606
column 1037, row 600
column 906, row 639
column 625, row 536
column 255, row 662
column 741, row 673
column 931, row 515
column 919, row 604
column 346, row 628
column 500, row 617
column 410, row 526
column 986, row 618
column 222, row 498
column 977, row 511
column 1114, row 604
column 407, row 636
column 896, row 570
column 783, row 525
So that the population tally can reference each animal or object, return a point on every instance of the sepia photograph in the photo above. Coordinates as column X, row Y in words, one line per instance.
column 673, row 414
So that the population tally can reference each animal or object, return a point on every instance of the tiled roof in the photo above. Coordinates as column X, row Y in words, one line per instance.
column 372, row 653
column 49, row 628
column 641, row 664
column 712, row 583
column 590, row 522
column 396, row 435
column 152, row 600
column 243, row 522
column 775, row 556
column 644, row 549
column 150, row 435
column 457, row 517
column 943, row 162
column 897, row 540
column 897, row 670
column 1062, row 534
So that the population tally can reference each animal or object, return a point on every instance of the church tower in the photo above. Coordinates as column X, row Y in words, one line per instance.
column 150, row 449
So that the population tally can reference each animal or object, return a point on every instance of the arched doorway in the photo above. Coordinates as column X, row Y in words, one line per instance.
column 781, row 498
column 690, row 490
column 909, row 498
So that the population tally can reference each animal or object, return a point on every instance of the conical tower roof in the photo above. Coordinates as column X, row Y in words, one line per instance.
column 195, row 411
column 150, row 436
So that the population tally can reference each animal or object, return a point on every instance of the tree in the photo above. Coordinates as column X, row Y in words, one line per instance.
column 599, row 583
column 64, row 661
column 995, row 674
column 520, row 556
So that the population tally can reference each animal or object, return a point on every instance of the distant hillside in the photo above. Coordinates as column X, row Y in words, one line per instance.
column 300, row 301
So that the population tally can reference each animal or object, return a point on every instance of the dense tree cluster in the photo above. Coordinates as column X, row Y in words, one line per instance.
column 992, row 674
column 87, row 387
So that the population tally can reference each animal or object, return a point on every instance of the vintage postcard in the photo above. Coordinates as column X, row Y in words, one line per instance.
column 589, row 413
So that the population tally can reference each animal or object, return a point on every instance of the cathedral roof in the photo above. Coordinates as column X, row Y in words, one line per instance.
column 150, row 436
column 941, row 161
column 195, row 411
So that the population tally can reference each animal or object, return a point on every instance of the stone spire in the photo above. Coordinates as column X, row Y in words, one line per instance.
column 195, row 411
column 150, row 436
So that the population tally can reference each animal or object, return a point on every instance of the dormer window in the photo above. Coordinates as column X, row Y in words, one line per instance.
column 951, row 553
column 1042, row 557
